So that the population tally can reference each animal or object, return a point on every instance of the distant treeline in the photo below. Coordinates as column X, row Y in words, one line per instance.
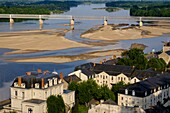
column 148, row 8
column 43, row 7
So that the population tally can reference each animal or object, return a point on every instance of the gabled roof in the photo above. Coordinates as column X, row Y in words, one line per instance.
column 110, row 102
column 71, row 78
column 36, row 77
column 143, row 74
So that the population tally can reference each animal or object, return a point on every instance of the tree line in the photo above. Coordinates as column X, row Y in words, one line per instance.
column 144, row 8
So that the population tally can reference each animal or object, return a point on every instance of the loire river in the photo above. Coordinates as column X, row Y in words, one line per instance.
column 9, row 70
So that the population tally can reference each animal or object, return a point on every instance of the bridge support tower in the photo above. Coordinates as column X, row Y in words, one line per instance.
column 140, row 22
column 72, row 21
column 11, row 21
column 105, row 21
column 40, row 20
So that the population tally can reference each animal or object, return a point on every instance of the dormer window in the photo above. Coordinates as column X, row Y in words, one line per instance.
column 16, row 84
column 126, row 91
column 55, row 81
column 23, row 85
column 133, row 92
column 37, row 85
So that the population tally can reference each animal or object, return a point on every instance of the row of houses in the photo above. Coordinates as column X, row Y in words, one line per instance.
column 106, row 74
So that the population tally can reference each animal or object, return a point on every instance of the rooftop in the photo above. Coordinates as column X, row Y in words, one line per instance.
column 35, row 101
column 148, row 85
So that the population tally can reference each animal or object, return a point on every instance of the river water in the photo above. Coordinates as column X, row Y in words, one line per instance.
column 10, row 70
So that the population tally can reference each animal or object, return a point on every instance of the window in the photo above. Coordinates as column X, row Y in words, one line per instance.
column 16, row 93
column 23, row 95
column 122, row 98
column 30, row 110
column 112, row 78
column 134, row 80
column 103, row 77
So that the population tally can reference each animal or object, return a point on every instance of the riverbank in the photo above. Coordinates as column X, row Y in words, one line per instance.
column 114, row 33
column 37, row 41
column 64, row 59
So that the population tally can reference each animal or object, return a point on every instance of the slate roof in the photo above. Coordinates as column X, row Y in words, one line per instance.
column 91, row 69
column 148, row 85
column 110, row 102
column 74, row 78
column 114, row 70
column 36, row 77
column 35, row 101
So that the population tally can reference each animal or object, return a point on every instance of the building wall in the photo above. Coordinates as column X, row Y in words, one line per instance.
column 106, row 108
column 79, row 74
column 165, row 56
column 145, row 102
column 134, row 80
column 122, row 77
column 166, row 48
column 69, row 98
column 33, row 93
column 36, row 108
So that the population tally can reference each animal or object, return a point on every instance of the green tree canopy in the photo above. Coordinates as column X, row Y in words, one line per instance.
column 55, row 104
column 133, row 57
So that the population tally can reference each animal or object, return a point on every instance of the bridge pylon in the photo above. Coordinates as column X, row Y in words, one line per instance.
column 72, row 21
column 11, row 20
column 40, row 20
column 105, row 21
column 140, row 22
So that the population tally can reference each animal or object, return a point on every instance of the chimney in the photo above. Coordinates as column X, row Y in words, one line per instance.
column 19, row 81
column 71, row 78
column 45, row 72
column 39, row 70
column 94, row 64
column 61, row 76
column 28, row 73
column 42, row 83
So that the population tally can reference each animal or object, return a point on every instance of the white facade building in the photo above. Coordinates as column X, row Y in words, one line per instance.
column 146, row 93
column 110, row 106
column 30, row 92
column 106, row 74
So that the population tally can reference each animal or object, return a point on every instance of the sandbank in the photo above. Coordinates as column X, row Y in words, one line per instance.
column 36, row 41
column 64, row 59
column 110, row 33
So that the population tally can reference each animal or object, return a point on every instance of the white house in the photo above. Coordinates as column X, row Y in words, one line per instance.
column 30, row 91
column 147, row 93
column 106, row 74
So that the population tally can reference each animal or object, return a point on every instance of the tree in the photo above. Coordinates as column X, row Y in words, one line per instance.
column 157, row 64
column 117, row 87
column 133, row 57
column 55, row 104
column 106, row 93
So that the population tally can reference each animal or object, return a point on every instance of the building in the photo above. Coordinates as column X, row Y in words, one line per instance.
column 68, row 79
column 147, row 93
column 106, row 74
column 110, row 106
column 166, row 52
column 30, row 91
column 165, row 56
